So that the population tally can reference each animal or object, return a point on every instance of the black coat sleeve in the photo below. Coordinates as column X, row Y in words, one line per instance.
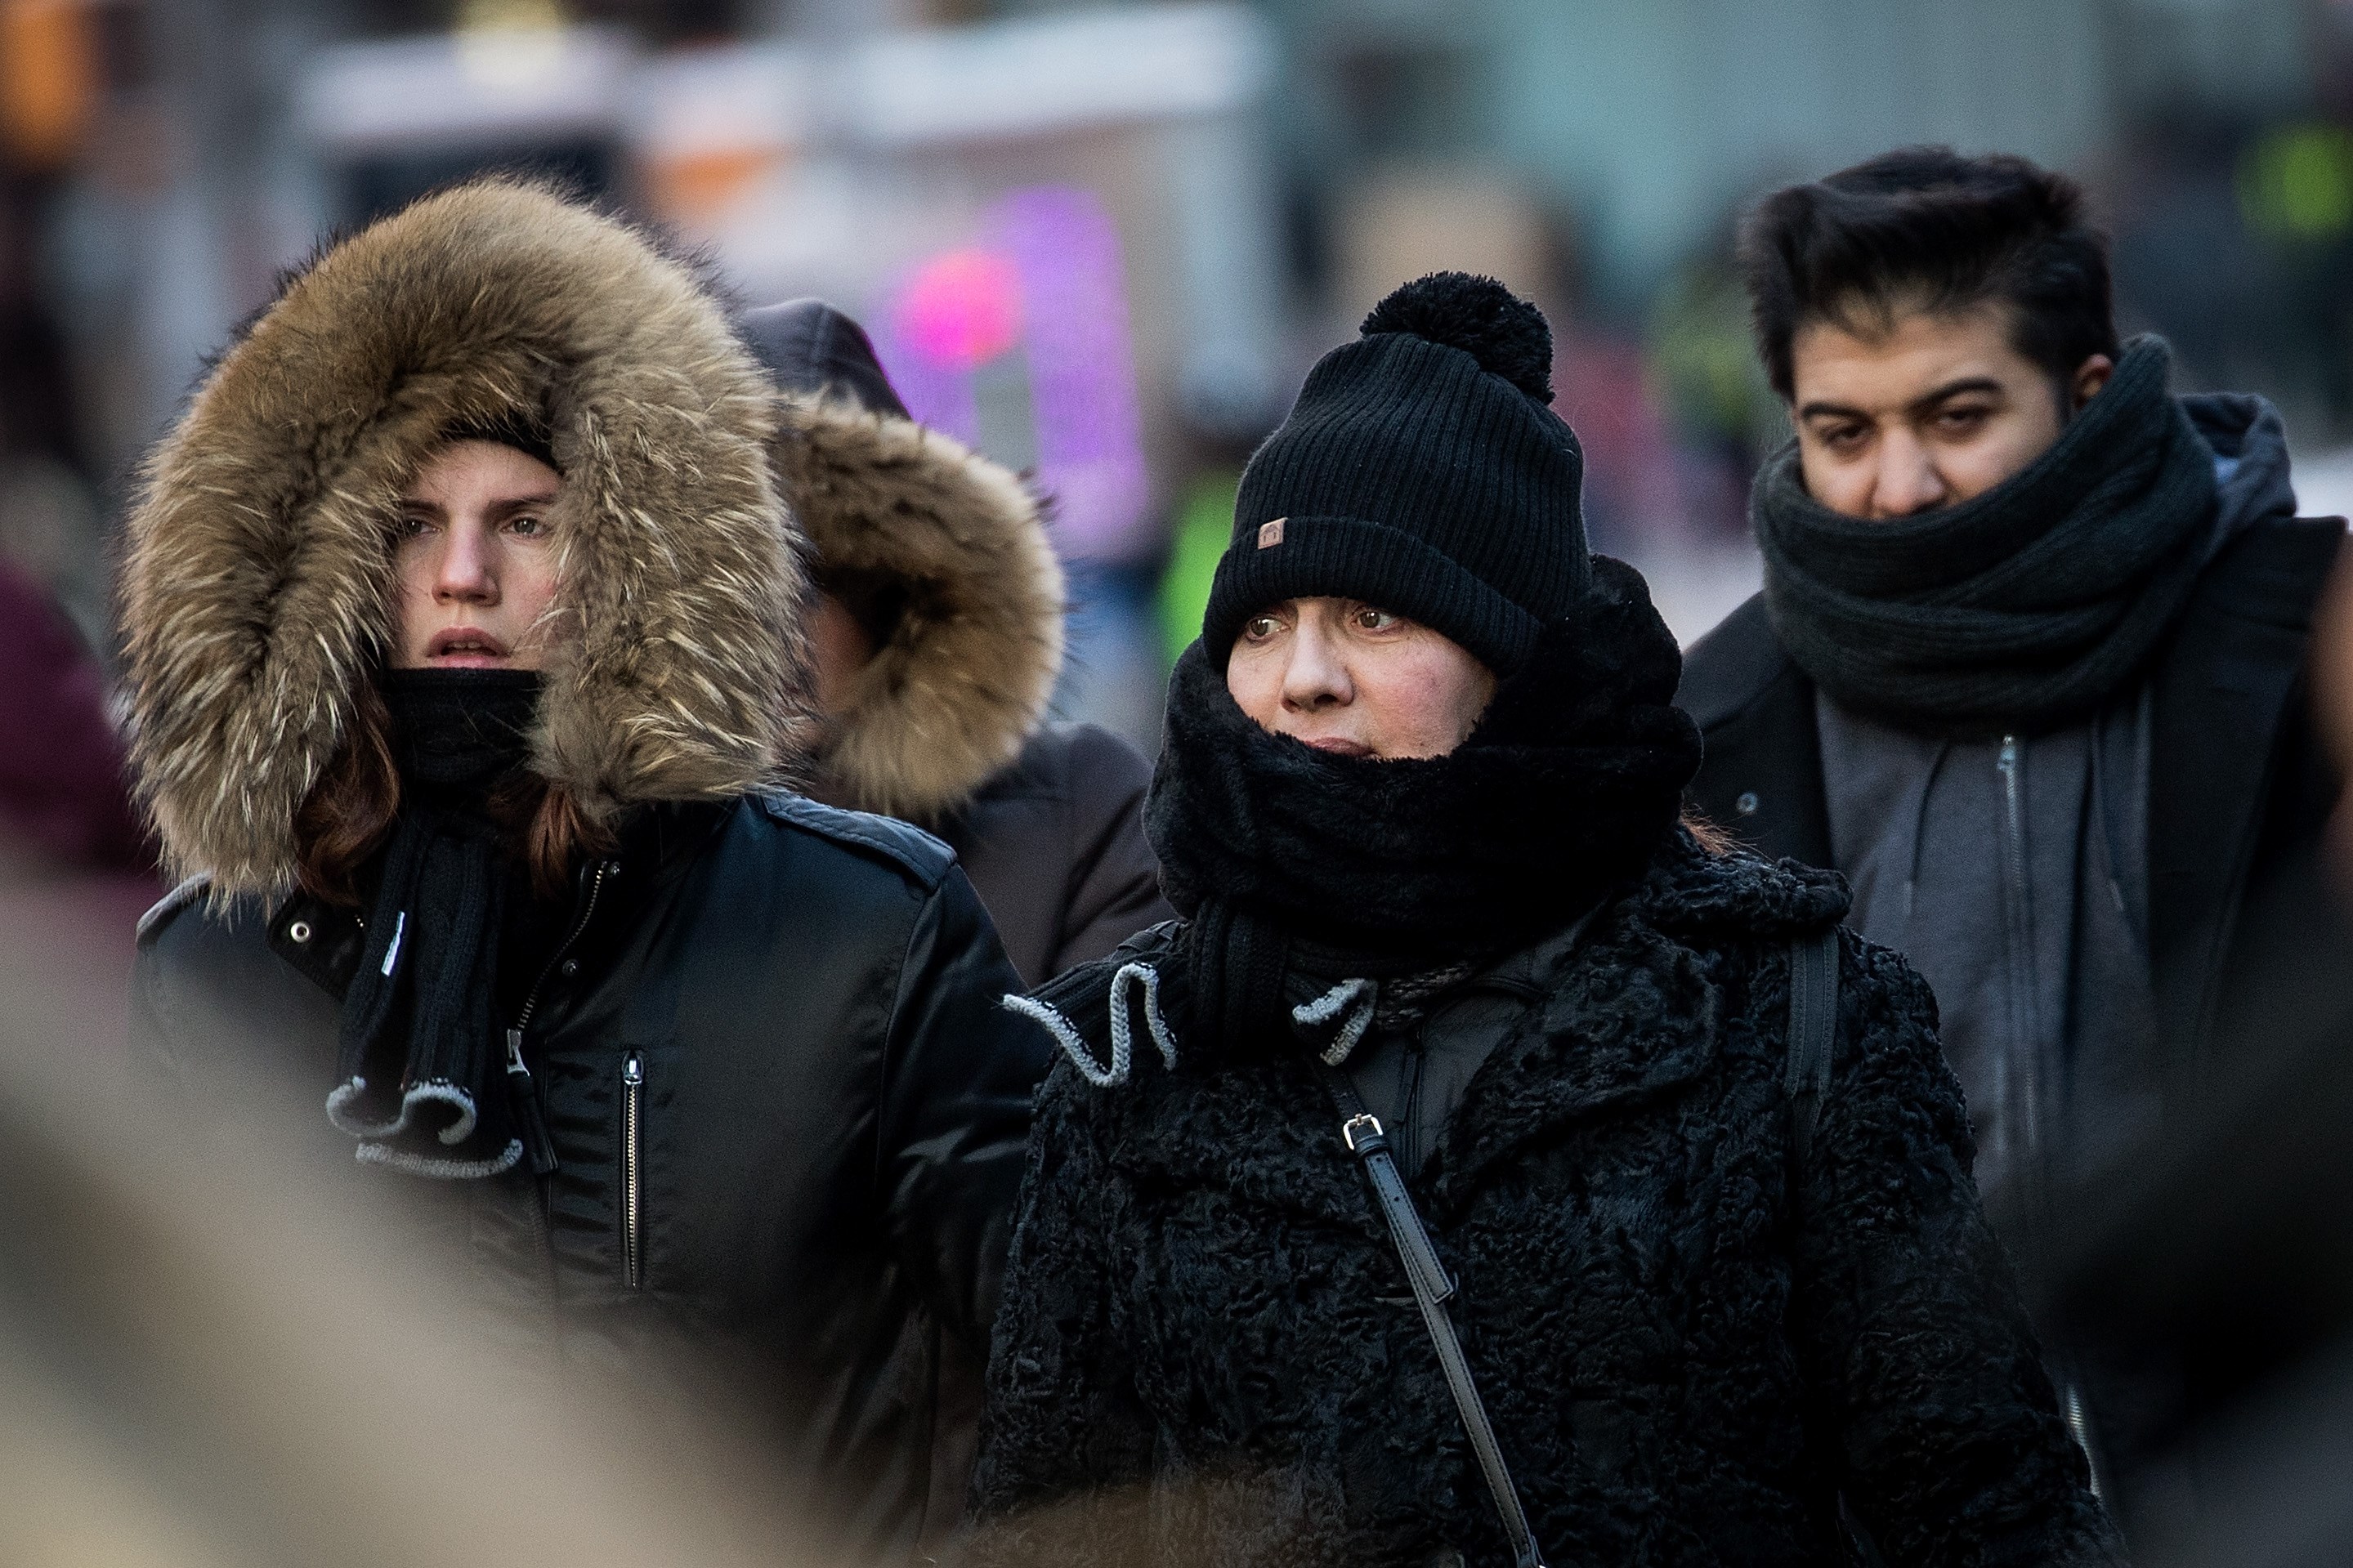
column 1114, row 889
column 954, row 1111
column 1947, row 1429
column 1066, row 1444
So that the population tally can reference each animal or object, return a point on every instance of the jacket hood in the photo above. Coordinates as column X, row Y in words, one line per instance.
column 2251, row 464
column 257, row 591
column 955, row 541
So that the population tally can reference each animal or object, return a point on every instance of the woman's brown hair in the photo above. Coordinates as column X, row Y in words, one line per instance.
column 349, row 814
column 1712, row 840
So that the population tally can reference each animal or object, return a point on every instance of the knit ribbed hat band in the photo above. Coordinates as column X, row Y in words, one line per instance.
column 1420, row 470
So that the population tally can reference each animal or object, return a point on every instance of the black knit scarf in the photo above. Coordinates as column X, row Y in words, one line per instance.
column 2028, row 605
column 422, row 1081
column 1290, row 862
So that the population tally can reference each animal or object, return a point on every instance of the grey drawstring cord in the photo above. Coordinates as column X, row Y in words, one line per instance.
column 1357, row 998
column 1919, row 830
column 1129, row 978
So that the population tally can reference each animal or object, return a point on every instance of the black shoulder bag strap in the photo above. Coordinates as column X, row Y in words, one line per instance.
column 1813, row 1031
column 1431, row 1289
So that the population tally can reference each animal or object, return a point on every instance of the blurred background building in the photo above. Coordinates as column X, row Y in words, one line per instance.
column 1105, row 240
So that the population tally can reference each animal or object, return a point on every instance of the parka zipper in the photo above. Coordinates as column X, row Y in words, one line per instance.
column 633, row 1085
column 537, row 1141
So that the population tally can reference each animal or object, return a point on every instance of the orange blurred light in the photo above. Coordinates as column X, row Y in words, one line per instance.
column 48, row 79
column 701, row 189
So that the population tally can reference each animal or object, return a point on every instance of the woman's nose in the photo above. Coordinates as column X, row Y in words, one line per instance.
column 1314, row 675
column 465, row 574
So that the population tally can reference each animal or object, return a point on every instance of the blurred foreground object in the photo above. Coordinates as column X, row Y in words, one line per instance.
column 203, row 1363
column 2218, row 1270
column 2220, row 1273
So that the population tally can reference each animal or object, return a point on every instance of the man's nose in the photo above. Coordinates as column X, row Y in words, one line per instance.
column 465, row 574
column 1908, row 480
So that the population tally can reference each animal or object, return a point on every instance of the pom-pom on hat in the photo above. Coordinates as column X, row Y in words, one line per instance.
column 1421, row 471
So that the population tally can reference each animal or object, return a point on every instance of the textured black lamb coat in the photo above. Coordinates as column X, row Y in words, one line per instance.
column 1208, row 1353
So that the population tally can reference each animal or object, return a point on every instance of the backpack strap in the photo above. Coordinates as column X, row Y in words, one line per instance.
column 1813, row 1031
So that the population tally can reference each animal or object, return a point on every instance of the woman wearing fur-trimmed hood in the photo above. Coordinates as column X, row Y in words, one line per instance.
column 462, row 626
column 937, row 634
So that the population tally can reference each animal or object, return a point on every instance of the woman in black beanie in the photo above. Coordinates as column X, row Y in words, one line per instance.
column 1488, row 1168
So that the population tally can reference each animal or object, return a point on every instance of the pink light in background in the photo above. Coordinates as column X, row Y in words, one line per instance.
column 937, row 391
column 1082, row 372
column 1049, row 281
column 961, row 308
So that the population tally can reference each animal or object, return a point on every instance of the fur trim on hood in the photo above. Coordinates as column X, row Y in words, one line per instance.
column 258, row 583
column 964, row 679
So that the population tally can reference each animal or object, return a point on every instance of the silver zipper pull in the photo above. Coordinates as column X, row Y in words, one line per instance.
column 633, row 1078
column 525, row 1093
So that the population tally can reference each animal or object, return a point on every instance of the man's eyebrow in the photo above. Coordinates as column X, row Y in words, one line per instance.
column 1954, row 388
column 1926, row 400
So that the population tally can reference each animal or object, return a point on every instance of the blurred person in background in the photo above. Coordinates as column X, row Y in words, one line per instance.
column 462, row 622
column 936, row 634
column 65, row 791
column 1419, row 805
column 65, row 800
column 76, row 864
column 2028, row 668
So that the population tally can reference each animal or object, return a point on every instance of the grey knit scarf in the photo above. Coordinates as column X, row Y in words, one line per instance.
column 2026, row 606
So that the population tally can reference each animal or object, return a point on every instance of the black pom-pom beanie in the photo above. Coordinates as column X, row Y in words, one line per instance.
column 1421, row 471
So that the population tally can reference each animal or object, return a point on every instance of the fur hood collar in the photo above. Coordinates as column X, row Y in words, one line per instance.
column 956, row 541
column 256, row 592
column 965, row 677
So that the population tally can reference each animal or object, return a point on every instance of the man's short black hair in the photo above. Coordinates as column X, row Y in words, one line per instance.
column 1925, row 228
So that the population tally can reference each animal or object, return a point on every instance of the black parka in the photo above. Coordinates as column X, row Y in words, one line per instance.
column 1209, row 1355
column 784, row 1107
column 788, row 1118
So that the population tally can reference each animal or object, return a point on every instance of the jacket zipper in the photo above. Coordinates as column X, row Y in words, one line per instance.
column 633, row 1084
column 2021, row 1063
column 537, row 1141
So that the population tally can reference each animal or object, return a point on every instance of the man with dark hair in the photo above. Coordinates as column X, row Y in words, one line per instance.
column 2029, row 667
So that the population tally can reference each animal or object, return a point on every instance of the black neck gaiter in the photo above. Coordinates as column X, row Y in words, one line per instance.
column 1289, row 861
column 422, row 1080
column 2027, row 607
